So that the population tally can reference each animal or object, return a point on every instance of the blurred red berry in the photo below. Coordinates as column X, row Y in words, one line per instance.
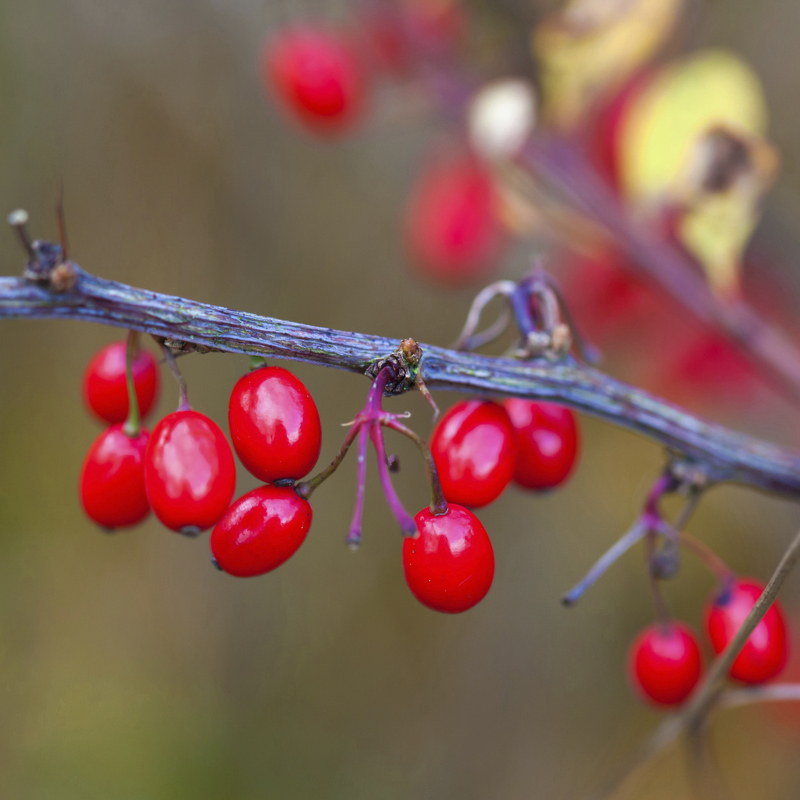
column 766, row 651
column 547, row 443
column 112, row 479
column 665, row 663
column 449, row 566
column 189, row 473
column 260, row 531
column 316, row 74
column 105, row 387
column 475, row 449
column 452, row 231
column 274, row 423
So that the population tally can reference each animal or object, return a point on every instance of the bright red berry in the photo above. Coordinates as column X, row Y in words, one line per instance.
column 451, row 227
column 765, row 653
column 189, row 472
column 260, row 531
column 317, row 76
column 665, row 663
column 274, row 423
column 449, row 566
column 475, row 450
column 112, row 479
column 105, row 387
column 547, row 443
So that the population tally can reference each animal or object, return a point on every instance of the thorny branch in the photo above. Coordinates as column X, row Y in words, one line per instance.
column 721, row 454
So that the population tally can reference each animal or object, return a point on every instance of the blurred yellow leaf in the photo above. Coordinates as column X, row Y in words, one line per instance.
column 592, row 46
column 720, row 196
column 681, row 103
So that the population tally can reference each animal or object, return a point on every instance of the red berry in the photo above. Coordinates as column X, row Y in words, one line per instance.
column 260, row 531
column 112, row 479
column 547, row 443
column 317, row 76
column 449, row 565
column 665, row 663
column 105, row 387
column 189, row 472
column 475, row 450
column 451, row 227
column 275, row 427
column 765, row 653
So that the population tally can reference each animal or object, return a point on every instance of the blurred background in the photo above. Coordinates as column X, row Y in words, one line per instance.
column 129, row 667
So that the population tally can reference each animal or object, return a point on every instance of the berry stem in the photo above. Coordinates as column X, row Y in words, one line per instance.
column 620, row 547
column 438, row 502
column 256, row 362
column 134, row 422
column 306, row 488
column 712, row 561
column 169, row 356
column 354, row 535
column 662, row 613
column 406, row 521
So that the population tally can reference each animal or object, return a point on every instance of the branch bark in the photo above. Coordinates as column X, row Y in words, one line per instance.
column 722, row 454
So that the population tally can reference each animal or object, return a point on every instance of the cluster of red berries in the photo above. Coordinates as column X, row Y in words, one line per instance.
column 665, row 659
column 481, row 446
column 184, row 471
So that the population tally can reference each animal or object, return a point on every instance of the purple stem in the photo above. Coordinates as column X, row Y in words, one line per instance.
column 407, row 524
column 354, row 536
column 620, row 547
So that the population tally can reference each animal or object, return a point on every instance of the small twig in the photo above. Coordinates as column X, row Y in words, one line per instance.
column 169, row 357
column 622, row 545
column 771, row 693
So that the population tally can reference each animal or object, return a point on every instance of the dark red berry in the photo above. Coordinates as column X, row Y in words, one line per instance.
column 765, row 653
column 475, row 449
column 274, row 423
column 449, row 565
column 665, row 663
column 547, row 443
column 112, row 479
column 189, row 472
column 452, row 231
column 105, row 387
column 260, row 531
column 316, row 75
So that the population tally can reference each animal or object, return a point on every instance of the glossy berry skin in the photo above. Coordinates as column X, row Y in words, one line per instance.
column 766, row 651
column 475, row 451
column 260, row 531
column 274, row 424
column 317, row 76
column 112, row 479
column 665, row 663
column 449, row 566
column 452, row 232
column 189, row 472
column 105, row 387
column 547, row 443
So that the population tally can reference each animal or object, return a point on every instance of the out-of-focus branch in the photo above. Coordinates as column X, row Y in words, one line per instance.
column 560, row 163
